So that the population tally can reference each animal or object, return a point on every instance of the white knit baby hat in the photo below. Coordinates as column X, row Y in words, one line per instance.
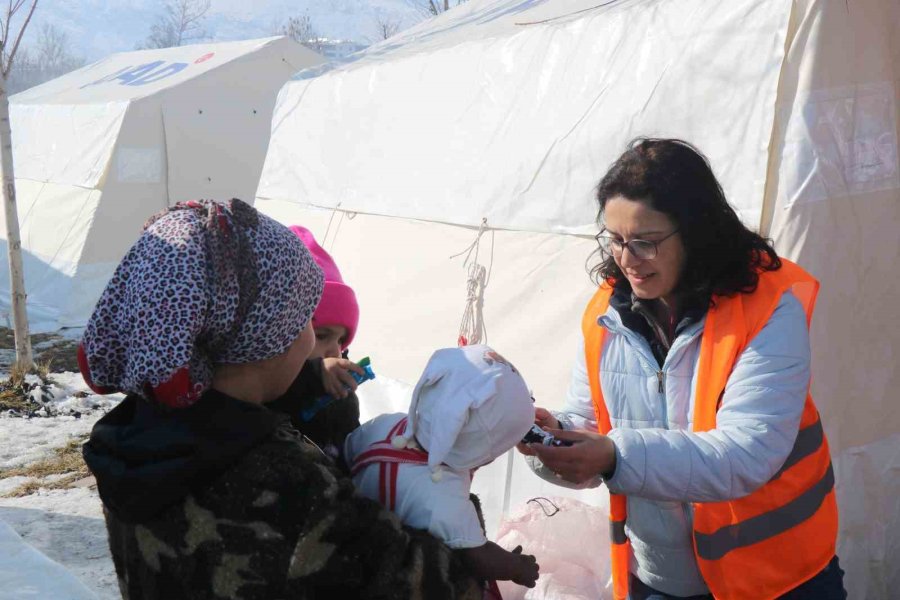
column 469, row 407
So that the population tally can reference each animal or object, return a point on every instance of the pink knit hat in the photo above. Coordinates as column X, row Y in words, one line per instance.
column 338, row 304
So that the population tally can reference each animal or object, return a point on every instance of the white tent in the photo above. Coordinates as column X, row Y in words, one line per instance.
column 99, row 150
column 507, row 112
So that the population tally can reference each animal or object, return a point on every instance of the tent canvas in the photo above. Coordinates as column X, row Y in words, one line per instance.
column 507, row 112
column 99, row 150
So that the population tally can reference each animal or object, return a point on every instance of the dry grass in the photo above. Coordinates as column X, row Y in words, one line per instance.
column 66, row 461
column 11, row 398
column 13, row 393
column 17, row 374
column 41, row 368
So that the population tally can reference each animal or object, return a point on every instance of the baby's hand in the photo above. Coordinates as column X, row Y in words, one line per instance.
column 336, row 378
column 527, row 570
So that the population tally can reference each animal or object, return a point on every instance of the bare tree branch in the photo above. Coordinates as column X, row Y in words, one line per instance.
column 12, row 54
column 432, row 8
column 3, row 42
column 301, row 29
column 7, row 56
column 47, row 60
column 387, row 27
column 181, row 22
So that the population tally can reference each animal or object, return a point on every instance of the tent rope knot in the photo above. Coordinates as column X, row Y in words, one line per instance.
column 471, row 327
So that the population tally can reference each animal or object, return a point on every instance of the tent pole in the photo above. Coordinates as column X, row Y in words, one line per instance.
column 508, row 488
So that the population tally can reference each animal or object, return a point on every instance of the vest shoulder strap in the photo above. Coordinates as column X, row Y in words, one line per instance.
column 594, row 335
column 730, row 325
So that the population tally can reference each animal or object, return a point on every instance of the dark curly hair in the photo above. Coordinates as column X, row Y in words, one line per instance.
column 723, row 257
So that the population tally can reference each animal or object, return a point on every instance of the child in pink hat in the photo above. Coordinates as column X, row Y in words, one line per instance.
column 335, row 320
column 327, row 371
column 337, row 314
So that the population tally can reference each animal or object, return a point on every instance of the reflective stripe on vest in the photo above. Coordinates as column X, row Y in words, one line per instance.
column 781, row 535
column 620, row 548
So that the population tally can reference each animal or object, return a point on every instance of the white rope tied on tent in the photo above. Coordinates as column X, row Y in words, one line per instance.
column 471, row 327
column 324, row 240
column 349, row 214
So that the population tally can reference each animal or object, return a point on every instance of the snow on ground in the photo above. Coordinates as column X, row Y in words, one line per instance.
column 65, row 525
column 24, row 441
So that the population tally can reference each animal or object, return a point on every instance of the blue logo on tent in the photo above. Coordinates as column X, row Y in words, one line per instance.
column 142, row 74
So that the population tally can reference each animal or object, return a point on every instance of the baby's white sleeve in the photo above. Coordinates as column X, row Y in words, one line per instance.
column 454, row 520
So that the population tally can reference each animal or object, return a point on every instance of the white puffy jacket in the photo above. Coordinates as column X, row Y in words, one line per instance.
column 661, row 465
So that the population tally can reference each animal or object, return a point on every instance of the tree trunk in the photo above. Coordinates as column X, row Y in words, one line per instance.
column 14, row 242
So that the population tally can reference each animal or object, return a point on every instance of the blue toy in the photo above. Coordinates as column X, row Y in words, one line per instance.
column 307, row 414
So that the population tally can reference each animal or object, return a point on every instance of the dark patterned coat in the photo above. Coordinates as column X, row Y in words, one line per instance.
column 330, row 425
column 225, row 500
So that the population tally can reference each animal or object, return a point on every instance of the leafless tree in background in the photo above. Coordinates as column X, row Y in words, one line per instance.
column 301, row 29
column 387, row 27
column 180, row 23
column 50, row 58
column 432, row 8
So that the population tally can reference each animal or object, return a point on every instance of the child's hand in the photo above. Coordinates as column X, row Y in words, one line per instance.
column 527, row 570
column 544, row 419
column 336, row 378
column 490, row 561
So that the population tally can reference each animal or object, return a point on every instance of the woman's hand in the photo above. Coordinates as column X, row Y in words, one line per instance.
column 590, row 454
column 336, row 378
column 544, row 419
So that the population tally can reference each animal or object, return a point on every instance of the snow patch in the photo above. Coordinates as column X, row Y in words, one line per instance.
column 25, row 441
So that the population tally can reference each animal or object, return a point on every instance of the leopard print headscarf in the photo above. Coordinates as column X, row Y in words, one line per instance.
column 206, row 283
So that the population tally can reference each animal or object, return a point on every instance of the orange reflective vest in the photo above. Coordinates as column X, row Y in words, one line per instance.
column 765, row 544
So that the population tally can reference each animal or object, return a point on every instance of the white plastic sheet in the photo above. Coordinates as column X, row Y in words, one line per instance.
column 54, row 223
column 65, row 144
column 26, row 573
column 479, row 114
column 567, row 537
column 833, row 205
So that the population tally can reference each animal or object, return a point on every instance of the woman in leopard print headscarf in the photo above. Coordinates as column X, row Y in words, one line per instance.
column 206, row 284
column 207, row 493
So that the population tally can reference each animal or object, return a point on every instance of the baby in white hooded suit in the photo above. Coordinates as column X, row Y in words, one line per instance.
column 469, row 407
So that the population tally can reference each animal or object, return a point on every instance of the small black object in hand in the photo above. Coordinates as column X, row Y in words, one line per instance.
column 536, row 435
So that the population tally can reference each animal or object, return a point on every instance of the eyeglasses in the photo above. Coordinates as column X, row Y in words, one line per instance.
column 641, row 249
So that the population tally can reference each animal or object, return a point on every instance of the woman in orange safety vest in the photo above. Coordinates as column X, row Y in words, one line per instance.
column 690, row 397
